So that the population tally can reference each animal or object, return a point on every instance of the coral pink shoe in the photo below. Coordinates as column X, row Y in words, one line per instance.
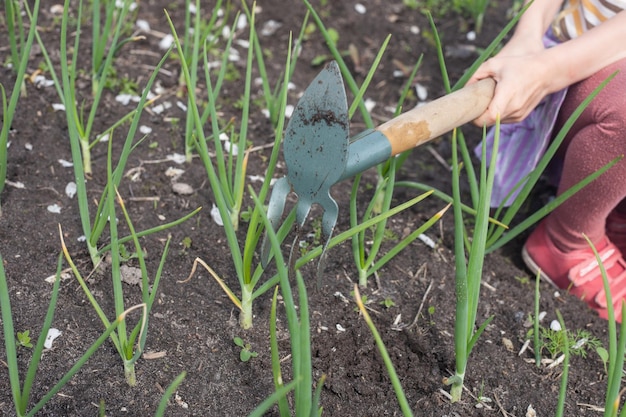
column 578, row 271
column 616, row 230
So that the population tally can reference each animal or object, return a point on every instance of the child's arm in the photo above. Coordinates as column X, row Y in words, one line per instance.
column 526, row 72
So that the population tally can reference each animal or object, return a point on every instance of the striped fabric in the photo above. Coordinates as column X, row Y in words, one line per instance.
column 579, row 16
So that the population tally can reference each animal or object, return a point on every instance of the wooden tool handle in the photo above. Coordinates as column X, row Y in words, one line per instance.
column 440, row 116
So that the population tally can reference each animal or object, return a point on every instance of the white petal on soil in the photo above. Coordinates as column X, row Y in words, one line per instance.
column 52, row 278
column 471, row 36
column 57, row 9
column 555, row 325
column 41, row 81
column 242, row 22
column 226, row 32
column 52, row 334
column 176, row 158
column 427, row 241
column 579, row 343
column 360, row 9
column 192, row 8
column 224, row 137
column 104, row 138
column 414, row 30
column 15, row 184
column 243, row 43
column 125, row 99
column 266, row 113
column 557, row 362
column 181, row 188
column 179, row 401
column 58, row 107
column 530, row 411
column 542, row 315
column 174, row 172
column 145, row 130
column 28, row 146
column 81, row 238
column 166, row 42
column 524, row 347
column 70, row 189
column 289, row 110
column 256, row 178
column 234, row 55
column 54, row 208
column 370, row 104
column 181, row 105
column 66, row 164
column 160, row 108
column 215, row 214
column 422, row 92
column 340, row 328
column 231, row 148
column 270, row 27
column 398, row 74
column 143, row 25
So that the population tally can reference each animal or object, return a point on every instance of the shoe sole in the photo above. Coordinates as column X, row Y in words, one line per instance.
column 535, row 269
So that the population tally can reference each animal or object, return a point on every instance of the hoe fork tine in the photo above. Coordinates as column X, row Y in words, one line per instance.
column 315, row 149
column 275, row 209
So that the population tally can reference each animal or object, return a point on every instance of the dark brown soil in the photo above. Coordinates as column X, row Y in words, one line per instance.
column 193, row 324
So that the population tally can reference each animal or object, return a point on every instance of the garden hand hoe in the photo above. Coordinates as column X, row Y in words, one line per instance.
column 319, row 153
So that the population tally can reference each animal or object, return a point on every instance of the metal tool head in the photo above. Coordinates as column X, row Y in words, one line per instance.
column 315, row 148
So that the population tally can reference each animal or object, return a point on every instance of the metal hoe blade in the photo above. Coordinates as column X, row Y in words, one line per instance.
column 316, row 153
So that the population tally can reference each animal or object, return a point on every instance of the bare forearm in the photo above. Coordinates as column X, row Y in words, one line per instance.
column 577, row 59
column 537, row 18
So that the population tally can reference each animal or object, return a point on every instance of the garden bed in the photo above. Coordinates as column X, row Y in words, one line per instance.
column 193, row 324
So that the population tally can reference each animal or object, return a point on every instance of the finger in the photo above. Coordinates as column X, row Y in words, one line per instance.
column 488, row 118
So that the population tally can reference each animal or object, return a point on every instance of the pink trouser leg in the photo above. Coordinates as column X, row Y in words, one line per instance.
column 597, row 137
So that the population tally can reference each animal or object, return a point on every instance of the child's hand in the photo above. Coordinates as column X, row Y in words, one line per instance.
column 522, row 81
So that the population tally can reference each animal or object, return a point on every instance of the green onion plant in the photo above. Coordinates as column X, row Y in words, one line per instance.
column 273, row 97
column 81, row 126
column 20, row 50
column 617, row 347
column 129, row 344
column 227, row 174
column 306, row 400
column 476, row 9
column 21, row 389
column 395, row 381
column 169, row 391
column 109, row 20
column 79, row 131
column 563, row 387
column 15, row 31
column 198, row 33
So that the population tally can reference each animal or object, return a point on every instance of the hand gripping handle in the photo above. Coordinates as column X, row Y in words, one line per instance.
column 438, row 117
